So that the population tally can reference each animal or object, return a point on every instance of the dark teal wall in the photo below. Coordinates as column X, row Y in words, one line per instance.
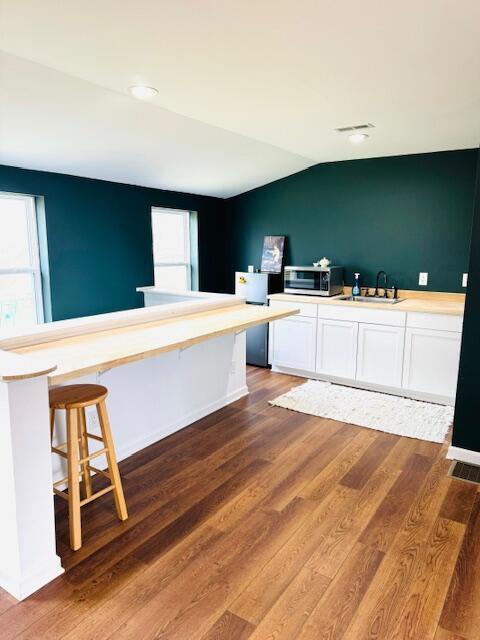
column 466, row 429
column 404, row 214
column 99, row 238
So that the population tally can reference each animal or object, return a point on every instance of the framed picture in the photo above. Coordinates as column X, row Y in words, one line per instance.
column 272, row 254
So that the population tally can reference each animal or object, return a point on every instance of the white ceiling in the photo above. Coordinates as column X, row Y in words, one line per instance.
column 248, row 91
column 54, row 122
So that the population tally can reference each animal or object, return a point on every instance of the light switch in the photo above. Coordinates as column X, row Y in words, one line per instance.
column 423, row 279
column 465, row 280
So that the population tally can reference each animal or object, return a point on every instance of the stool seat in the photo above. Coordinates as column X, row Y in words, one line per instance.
column 76, row 396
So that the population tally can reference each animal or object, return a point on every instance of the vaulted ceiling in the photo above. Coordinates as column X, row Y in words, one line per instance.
column 248, row 91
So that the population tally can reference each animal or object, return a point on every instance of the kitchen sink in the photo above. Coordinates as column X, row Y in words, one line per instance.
column 379, row 299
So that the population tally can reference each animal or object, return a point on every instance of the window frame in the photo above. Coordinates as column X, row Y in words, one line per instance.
column 186, row 239
column 33, row 251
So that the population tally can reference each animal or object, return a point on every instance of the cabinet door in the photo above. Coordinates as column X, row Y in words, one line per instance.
column 337, row 348
column 294, row 343
column 380, row 354
column 431, row 361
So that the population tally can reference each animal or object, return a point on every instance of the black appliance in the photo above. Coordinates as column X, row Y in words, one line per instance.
column 256, row 287
column 314, row 281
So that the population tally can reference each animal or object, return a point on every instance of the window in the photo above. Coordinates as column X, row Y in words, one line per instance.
column 20, row 278
column 171, row 248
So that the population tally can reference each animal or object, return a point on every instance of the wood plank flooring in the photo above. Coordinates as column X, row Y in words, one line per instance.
column 259, row 523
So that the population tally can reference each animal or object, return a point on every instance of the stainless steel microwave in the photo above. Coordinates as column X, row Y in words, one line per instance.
column 314, row 281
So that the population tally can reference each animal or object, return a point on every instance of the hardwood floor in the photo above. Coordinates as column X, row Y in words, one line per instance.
column 259, row 523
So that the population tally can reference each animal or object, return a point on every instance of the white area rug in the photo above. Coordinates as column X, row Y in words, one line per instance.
column 379, row 411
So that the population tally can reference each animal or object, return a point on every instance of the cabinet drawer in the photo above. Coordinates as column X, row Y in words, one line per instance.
column 307, row 310
column 355, row 313
column 438, row 321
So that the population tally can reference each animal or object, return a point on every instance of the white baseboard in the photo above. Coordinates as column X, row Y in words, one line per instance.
column 463, row 455
column 395, row 391
column 20, row 587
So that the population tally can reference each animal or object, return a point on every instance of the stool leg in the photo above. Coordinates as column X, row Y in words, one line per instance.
column 73, row 484
column 112, row 461
column 87, row 481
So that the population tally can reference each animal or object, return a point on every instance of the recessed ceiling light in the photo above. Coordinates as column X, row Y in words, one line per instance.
column 358, row 137
column 142, row 92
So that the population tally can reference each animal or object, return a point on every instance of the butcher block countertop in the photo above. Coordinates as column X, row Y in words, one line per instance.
column 101, row 350
column 413, row 302
column 14, row 367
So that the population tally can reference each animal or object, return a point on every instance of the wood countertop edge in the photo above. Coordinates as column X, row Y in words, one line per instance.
column 53, row 331
column 22, row 368
column 26, row 376
column 173, row 346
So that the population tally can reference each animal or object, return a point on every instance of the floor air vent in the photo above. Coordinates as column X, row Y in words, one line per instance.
column 463, row 471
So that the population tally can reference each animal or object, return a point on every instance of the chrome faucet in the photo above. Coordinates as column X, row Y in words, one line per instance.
column 385, row 278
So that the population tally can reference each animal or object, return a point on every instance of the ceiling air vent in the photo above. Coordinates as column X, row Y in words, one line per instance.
column 355, row 127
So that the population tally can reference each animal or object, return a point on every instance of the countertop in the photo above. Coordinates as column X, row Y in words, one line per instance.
column 414, row 302
column 40, row 333
column 15, row 367
column 97, row 351
column 192, row 295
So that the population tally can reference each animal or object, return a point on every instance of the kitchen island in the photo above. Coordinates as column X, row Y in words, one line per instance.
column 165, row 366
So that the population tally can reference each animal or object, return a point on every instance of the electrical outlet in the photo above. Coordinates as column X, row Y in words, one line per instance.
column 92, row 421
column 423, row 278
column 465, row 280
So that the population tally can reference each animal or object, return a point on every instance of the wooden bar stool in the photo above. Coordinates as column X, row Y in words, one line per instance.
column 74, row 398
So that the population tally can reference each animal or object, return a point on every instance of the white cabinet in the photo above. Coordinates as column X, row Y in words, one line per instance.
column 294, row 341
column 337, row 348
column 431, row 361
column 380, row 354
column 415, row 354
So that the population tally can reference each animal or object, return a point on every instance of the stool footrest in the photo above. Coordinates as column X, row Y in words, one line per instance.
column 61, row 494
column 97, row 495
column 65, row 481
column 100, row 471
column 98, row 453
column 93, row 436
column 90, row 467
column 59, row 452
column 60, row 449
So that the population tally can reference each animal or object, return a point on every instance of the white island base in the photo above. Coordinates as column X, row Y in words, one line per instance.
column 164, row 368
column 28, row 557
column 152, row 398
